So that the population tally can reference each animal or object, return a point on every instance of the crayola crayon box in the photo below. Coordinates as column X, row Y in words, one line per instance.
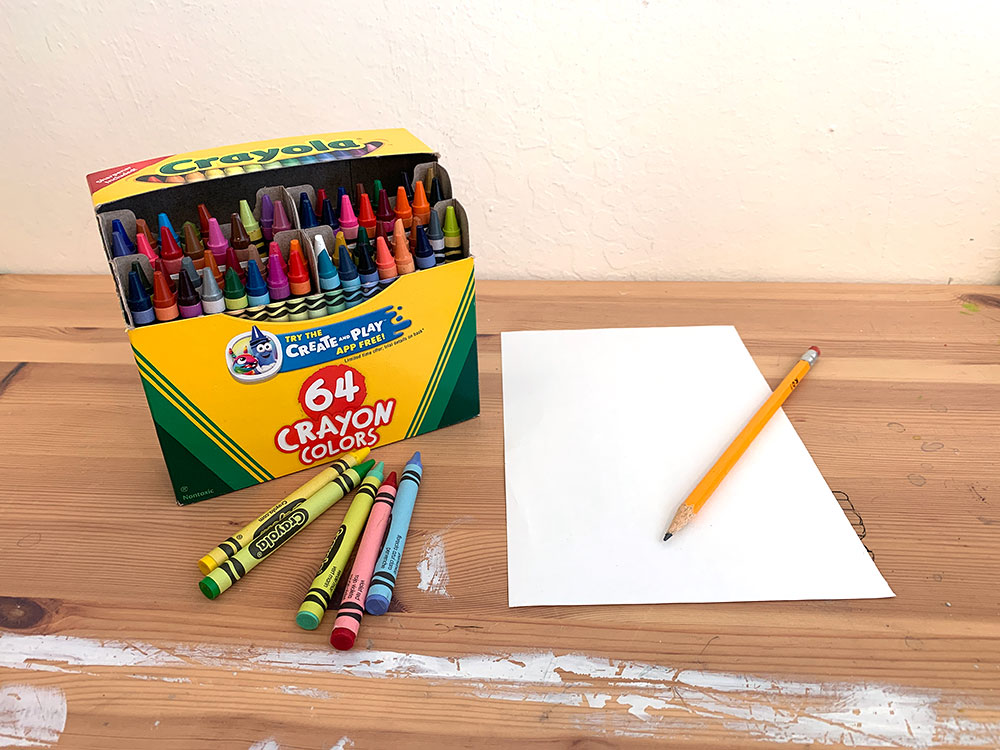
column 249, row 394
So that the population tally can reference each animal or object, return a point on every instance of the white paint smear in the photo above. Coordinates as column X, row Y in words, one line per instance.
column 31, row 716
column 269, row 744
column 306, row 692
column 343, row 743
column 621, row 697
column 433, row 568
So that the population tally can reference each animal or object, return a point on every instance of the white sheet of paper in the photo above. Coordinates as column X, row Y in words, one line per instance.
column 605, row 434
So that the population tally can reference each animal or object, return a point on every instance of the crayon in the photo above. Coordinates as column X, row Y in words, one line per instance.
column 239, row 238
column 385, row 263
column 317, row 598
column 188, row 301
column 274, row 257
column 277, row 279
column 256, row 286
column 184, row 232
column 234, row 263
column 436, row 237
column 213, row 266
column 363, row 243
column 216, row 242
column 366, row 217
column 349, row 280
column 320, row 197
column 329, row 282
column 187, row 267
column 170, row 253
column 212, row 299
column 403, row 211
column 341, row 192
column 436, row 195
column 252, row 168
column 452, row 235
column 121, row 245
column 359, row 190
column 278, row 529
column 281, row 222
column 191, row 177
column 384, row 214
column 277, row 312
column 406, row 185
column 367, row 270
column 139, row 303
column 338, row 242
column 401, row 250
column 193, row 249
column 327, row 215
column 233, row 170
column 164, row 221
column 307, row 216
column 117, row 228
column 348, row 221
column 141, row 227
column 252, row 226
column 384, row 578
column 164, row 300
column 420, row 206
column 352, row 605
column 146, row 281
column 424, row 256
column 376, row 187
column 266, row 217
column 298, row 274
column 315, row 305
column 234, row 292
column 254, row 255
column 214, row 174
column 380, row 230
column 273, row 165
column 203, row 218
column 258, row 314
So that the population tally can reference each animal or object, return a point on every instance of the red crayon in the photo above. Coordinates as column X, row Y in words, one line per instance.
column 298, row 274
column 384, row 214
column 143, row 247
column 366, row 217
column 233, row 262
column 318, row 208
column 164, row 299
column 170, row 252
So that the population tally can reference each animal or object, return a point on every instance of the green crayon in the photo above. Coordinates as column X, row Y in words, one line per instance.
column 305, row 511
column 252, row 226
column 320, row 593
column 452, row 235
column 234, row 292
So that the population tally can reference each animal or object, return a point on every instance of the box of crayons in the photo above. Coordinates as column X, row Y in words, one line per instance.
column 290, row 300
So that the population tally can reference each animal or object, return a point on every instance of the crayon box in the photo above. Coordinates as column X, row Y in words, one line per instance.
column 399, row 364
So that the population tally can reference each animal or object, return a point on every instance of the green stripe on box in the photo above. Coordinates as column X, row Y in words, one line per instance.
column 456, row 397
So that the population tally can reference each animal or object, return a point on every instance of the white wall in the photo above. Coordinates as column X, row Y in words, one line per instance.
column 855, row 140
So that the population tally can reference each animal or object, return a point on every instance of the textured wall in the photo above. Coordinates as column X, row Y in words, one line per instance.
column 629, row 139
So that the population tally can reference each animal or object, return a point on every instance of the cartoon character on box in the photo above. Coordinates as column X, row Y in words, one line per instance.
column 253, row 357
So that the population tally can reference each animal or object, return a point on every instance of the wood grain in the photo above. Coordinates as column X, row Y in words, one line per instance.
column 99, row 597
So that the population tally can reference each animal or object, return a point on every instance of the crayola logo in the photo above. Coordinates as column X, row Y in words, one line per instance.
column 332, row 551
column 257, row 156
column 278, row 534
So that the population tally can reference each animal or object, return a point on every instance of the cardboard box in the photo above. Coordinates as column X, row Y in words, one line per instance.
column 400, row 364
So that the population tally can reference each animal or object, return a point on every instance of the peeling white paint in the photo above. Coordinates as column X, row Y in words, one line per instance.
column 624, row 697
column 343, row 743
column 31, row 716
column 433, row 568
column 269, row 744
column 306, row 692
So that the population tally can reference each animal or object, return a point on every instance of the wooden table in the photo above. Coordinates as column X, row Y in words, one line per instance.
column 106, row 641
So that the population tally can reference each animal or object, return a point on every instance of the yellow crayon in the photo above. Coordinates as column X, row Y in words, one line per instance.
column 263, row 544
column 237, row 541
column 320, row 592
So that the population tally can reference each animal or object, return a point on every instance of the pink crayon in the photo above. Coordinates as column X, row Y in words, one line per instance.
column 281, row 222
column 352, row 606
column 217, row 242
column 145, row 248
column 348, row 221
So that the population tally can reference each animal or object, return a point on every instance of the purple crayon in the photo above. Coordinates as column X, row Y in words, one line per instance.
column 267, row 217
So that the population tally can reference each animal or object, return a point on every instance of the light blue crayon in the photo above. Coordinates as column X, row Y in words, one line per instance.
column 350, row 282
column 329, row 280
column 383, row 580
column 256, row 287
column 164, row 221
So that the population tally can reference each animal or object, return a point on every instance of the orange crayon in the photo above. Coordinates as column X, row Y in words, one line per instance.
column 213, row 265
column 192, row 245
column 366, row 216
column 401, row 250
column 403, row 211
column 164, row 299
column 420, row 206
column 298, row 273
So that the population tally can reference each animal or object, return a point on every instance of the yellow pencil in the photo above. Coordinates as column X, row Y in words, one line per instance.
column 699, row 496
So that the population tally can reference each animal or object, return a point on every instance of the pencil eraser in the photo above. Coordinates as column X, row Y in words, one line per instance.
column 815, row 349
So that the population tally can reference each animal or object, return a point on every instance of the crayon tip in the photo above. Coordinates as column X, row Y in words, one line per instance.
column 347, row 268
column 164, row 221
column 416, row 460
column 169, row 249
column 256, row 286
column 209, row 587
column 247, row 217
column 308, row 621
column 320, row 197
column 363, row 469
column 375, row 604
column 307, row 216
column 341, row 639
column 203, row 219
column 391, row 479
column 239, row 238
column 186, row 293
column 234, row 287
column 667, row 536
column 118, row 228
column 141, row 227
column 266, row 209
column 137, row 297
column 434, row 231
column 209, row 286
column 192, row 242
column 324, row 265
column 120, row 246
column 328, row 216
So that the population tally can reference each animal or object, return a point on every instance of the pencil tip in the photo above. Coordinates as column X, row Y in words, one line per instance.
column 667, row 536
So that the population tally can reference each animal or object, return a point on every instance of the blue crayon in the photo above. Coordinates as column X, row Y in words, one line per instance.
column 384, row 578
column 436, row 237
column 120, row 245
column 329, row 280
column 256, row 286
column 118, row 228
column 367, row 270
column 307, row 217
column 187, row 265
column 164, row 221
column 139, row 303
column 423, row 256
column 349, row 280
column 328, row 216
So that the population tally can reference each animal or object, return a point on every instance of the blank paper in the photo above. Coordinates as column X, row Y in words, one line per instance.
column 605, row 434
